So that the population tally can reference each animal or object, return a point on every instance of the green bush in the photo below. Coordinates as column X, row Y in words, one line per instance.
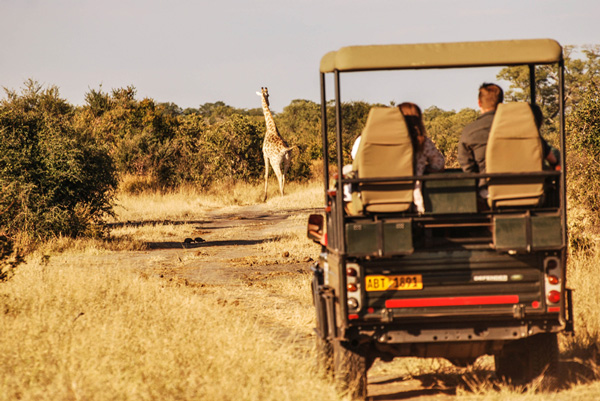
column 583, row 128
column 54, row 179
column 445, row 127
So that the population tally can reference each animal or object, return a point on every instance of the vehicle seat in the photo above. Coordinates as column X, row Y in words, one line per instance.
column 385, row 150
column 514, row 145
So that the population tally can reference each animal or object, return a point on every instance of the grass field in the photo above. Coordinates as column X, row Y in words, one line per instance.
column 78, row 324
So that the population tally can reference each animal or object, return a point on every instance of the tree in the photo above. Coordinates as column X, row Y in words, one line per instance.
column 579, row 75
column 55, row 180
column 300, row 125
column 445, row 127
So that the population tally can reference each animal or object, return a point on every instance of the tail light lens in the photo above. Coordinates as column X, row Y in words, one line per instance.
column 551, row 264
column 554, row 297
column 352, row 303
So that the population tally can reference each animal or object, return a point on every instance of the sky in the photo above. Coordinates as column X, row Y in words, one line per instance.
column 195, row 52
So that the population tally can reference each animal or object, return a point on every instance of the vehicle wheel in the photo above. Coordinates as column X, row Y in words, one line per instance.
column 522, row 361
column 543, row 360
column 350, row 369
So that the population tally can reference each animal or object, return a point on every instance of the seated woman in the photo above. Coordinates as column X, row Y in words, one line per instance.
column 428, row 159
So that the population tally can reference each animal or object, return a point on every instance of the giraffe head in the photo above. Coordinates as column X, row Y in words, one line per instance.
column 264, row 92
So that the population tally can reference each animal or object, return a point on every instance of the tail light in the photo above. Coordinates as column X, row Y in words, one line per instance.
column 554, row 297
column 353, row 287
column 352, row 303
column 553, row 274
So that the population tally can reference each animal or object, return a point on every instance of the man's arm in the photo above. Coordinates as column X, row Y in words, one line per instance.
column 465, row 158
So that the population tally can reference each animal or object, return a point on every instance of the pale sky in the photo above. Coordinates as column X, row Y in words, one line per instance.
column 194, row 52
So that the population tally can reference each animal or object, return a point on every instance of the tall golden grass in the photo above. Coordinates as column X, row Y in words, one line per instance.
column 83, row 320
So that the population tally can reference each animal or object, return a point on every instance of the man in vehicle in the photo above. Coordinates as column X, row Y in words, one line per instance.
column 473, row 140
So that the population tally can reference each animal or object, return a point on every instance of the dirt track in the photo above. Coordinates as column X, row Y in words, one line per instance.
column 227, row 260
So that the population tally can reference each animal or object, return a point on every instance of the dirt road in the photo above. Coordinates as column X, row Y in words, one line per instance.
column 224, row 250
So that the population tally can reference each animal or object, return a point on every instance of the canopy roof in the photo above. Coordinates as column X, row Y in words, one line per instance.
column 442, row 55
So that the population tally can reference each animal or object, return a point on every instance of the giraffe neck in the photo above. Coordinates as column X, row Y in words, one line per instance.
column 271, row 128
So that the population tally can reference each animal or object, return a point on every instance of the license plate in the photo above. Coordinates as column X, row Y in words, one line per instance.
column 394, row 283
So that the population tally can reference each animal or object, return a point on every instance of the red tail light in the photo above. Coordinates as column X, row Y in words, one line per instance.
column 351, row 272
column 554, row 297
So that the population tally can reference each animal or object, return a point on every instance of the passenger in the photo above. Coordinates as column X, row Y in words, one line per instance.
column 428, row 159
column 473, row 140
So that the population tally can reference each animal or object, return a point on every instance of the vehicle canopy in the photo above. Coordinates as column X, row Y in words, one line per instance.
column 451, row 55
column 442, row 55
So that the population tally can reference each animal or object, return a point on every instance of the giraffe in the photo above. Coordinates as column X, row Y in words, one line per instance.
column 275, row 149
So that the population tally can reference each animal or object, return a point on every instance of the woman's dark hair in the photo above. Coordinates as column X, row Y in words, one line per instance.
column 414, row 121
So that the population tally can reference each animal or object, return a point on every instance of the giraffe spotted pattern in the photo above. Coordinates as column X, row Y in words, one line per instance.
column 275, row 150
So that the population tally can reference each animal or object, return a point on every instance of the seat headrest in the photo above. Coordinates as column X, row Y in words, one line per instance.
column 514, row 145
column 514, row 121
column 385, row 126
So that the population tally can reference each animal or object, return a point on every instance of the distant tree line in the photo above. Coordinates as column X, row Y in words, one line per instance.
column 60, row 164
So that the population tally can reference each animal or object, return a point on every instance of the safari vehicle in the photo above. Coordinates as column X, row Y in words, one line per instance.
column 463, row 279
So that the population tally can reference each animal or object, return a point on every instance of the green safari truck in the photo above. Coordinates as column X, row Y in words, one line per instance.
column 466, row 277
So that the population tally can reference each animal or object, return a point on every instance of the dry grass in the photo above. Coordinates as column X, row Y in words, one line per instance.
column 77, row 332
column 83, row 325
column 81, row 322
column 190, row 203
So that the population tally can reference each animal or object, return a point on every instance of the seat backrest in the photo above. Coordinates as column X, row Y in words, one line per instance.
column 514, row 145
column 385, row 150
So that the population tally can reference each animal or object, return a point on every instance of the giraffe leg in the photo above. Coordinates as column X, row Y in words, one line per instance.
column 266, row 176
column 286, row 167
column 280, row 178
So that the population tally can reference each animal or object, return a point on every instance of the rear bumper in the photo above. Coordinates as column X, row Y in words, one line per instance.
column 455, row 332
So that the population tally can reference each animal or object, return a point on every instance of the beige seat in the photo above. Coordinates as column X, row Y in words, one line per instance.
column 514, row 145
column 385, row 150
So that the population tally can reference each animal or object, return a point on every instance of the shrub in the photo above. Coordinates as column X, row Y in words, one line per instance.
column 583, row 127
column 445, row 127
column 54, row 179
